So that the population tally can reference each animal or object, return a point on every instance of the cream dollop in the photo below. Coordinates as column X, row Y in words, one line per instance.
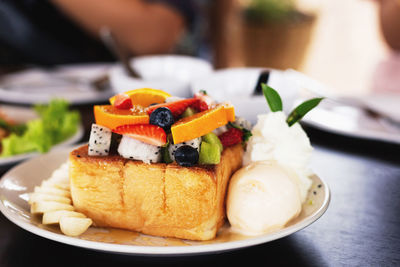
column 274, row 140
column 262, row 197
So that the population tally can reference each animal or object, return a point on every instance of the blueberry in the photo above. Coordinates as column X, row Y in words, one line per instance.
column 186, row 156
column 162, row 117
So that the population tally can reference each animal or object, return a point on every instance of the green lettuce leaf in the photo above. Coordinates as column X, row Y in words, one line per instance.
column 56, row 124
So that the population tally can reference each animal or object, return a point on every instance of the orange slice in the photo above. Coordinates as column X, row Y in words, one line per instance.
column 230, row 111
column 111, row 117
column 201, row 123
column 145, row 96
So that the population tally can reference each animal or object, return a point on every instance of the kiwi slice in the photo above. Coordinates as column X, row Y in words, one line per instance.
column 165, row 155
column 212, row 138
column 188, row 112
column 209, row 153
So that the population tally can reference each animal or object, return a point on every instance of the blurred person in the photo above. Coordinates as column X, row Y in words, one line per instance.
column 66, row 31
column 387, row 75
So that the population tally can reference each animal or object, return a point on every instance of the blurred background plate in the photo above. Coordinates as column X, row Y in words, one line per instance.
column 171, row 73
column 351, row 121
column 74, row 83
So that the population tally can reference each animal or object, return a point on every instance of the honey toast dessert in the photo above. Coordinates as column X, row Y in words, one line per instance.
column 158, row 164
column 158, row 199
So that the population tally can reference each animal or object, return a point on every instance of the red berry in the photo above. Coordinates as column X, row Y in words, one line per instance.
column 147, row 133
column 123, row 101
column 231, row 137
column 200, row 105
column 177, row 107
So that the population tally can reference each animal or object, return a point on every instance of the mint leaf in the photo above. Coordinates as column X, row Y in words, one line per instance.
column 301, row 110
column 246, row 135
column 273, row 99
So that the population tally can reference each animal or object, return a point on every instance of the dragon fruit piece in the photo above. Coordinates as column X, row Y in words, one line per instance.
column 195, row 143
column 130, row 148
column 99, row 141
column 243, row 123
column 220, row 130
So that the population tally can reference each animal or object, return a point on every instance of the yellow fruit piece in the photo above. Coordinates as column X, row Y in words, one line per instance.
column 111, row 117
column 145, row 96
column 201, row 123
column 230, row 112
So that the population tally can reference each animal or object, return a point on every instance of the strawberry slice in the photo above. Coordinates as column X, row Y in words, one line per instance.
column 200, row 105
column 177, row 107
column 123, row 101
column 147, row 133
column 204, row 101
column 231, row 137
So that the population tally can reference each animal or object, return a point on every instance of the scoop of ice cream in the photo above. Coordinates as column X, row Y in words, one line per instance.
column 262, row 197
column 273, row 139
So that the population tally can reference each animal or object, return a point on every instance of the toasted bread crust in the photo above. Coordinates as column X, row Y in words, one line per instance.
column 157, row 199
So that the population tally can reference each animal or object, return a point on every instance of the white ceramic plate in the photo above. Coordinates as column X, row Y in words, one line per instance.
column 349, row 121
column 70, row 82
column 22, row 115
column 170, row 73
column 16, row 184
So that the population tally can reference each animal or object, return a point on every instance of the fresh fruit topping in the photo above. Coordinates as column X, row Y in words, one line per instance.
column 144, row 96
column 173, row 99
column 177, row 107
column 99, row 141
column 232, row 137
column 72, row 226
column 204, row 101
column 200, row 105
column 147, row 133
column 242, row 123
column 209, row 153
column 202, row 95
column 199, row 124
column 246, row 133
column 195, row 143
column 162, row 117
column 123, row 101
column 186, row 156
column 188, row 112
column 165, row 155
column 130, row 148
column 220, row 130
column 212, row 138
column 111, row 117
column 230, row 111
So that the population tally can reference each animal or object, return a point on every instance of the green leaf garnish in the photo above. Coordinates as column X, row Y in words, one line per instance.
column 54, row 125
column 246, row 135
column 273, row 99
column 301, row 110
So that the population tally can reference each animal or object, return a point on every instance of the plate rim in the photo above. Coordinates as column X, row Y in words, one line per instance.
column 158, row 250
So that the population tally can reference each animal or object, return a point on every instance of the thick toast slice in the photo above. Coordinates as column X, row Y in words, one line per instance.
column 156, row 199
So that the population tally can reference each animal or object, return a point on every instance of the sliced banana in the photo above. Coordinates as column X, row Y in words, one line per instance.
column 58, row 185
column 73, row 226
column 46, row 206
column 53, row 199
column 52, row 191
column 36, row 197
column 53, row 217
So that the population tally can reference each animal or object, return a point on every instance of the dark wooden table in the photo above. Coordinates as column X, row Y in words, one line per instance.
column 360, row 228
